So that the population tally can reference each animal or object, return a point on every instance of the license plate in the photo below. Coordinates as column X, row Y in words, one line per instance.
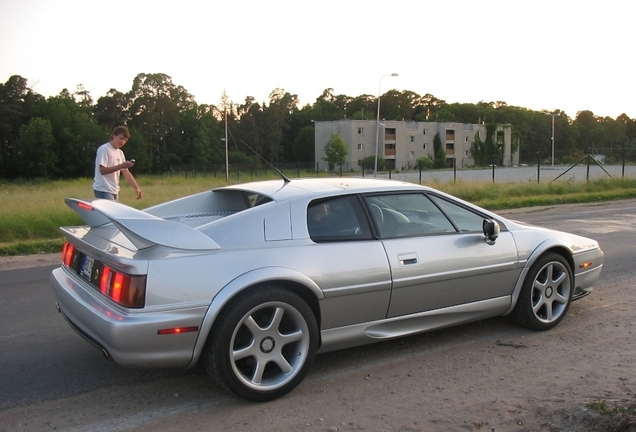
column 87, row 268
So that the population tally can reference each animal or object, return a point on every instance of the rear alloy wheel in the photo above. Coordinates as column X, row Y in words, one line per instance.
column 546, row 293
column 264, row 344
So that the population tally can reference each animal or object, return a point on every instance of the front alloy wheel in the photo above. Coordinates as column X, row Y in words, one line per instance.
column 264, row 344
column 546, row 293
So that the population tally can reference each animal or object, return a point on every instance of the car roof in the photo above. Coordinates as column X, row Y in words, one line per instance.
column 279, row 190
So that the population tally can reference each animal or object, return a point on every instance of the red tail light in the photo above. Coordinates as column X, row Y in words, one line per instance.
column 123, row 289
column 67, row 253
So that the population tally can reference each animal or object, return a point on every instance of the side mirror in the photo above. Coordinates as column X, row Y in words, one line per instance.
column 491, row 230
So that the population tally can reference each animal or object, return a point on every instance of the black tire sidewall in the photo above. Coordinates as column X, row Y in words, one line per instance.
column 217, row 355
column 523, row 313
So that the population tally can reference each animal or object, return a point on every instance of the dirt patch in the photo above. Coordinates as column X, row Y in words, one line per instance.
column 28, row 261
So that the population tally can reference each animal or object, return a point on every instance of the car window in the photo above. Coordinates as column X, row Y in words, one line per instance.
column 337, row 219
column 407, row 215
column 464, row 219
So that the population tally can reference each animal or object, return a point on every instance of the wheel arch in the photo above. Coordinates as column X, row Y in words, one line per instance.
column 288, row 279
column 545, row 247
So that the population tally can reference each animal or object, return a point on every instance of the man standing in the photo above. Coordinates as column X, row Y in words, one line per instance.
column 109, row 163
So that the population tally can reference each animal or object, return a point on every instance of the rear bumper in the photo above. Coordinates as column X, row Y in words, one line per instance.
column 128, row 336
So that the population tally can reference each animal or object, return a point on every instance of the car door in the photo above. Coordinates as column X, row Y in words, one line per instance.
column 438, row 254
column 346, row 261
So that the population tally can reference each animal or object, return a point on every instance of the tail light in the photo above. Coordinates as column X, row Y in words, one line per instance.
column 123, row 289
column 67, row 254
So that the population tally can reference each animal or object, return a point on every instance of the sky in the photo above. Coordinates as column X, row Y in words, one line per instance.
column 570, row 55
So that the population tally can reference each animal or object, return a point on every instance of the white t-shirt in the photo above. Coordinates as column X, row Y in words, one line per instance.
column 108, row 156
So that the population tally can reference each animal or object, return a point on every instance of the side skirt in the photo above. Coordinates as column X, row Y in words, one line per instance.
column 365, row 333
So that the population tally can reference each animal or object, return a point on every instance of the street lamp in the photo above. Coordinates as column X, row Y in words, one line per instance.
column 377, row 127
column 227, row 165
column 552, row 138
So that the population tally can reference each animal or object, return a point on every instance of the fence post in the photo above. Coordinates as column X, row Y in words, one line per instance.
column 454, row 170
column 623, row 173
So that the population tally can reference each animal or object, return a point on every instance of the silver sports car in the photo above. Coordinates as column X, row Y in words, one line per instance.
column 255, row 279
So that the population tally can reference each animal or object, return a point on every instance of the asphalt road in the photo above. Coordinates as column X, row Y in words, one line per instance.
column 44, row 365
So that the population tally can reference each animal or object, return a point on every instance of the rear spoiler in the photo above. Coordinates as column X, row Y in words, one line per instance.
column 142, row 229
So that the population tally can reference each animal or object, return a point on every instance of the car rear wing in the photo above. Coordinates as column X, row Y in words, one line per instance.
column 142, row 229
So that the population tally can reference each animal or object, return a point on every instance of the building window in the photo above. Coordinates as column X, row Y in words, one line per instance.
column 465, row 139
column 360, row 131
column 412, row 138
column 424, row 146
column 424, row 132
column 466, row 153
column 361, row 147
column 411, row 155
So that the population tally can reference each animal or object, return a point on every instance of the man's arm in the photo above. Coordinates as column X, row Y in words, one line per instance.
column 131, row 181
column 103, row 170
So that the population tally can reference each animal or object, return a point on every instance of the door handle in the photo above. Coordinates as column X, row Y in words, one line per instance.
column 407, row 259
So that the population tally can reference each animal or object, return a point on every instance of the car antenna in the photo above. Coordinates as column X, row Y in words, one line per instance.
column 280, row 173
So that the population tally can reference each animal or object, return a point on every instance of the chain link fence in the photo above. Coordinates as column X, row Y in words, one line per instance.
column 603, row 163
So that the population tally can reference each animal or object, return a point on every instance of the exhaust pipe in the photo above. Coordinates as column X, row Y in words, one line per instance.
column 107, row 354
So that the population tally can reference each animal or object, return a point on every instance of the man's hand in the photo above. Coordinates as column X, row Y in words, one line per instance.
column 127, row 164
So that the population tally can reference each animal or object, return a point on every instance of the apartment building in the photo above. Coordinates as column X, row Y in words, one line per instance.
column 401, row 143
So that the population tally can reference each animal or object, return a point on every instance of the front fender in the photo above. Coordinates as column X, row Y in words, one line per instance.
column 238, row 285
column 546, row 245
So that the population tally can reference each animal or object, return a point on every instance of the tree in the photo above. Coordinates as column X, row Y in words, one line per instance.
column 36, row 157
column 16, row 105
column 488, row 151
column 75, row 132
column 112, row 110
column 156, row 106
column 335, row 151
column 304, row 145
column 440, row 152
column 424, row 162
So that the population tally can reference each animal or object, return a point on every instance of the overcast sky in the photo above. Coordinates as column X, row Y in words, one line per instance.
column 540, row 54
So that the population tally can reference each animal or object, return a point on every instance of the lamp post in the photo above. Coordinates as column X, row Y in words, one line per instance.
column 552, row 139
column 377, row 126
column 227, row 165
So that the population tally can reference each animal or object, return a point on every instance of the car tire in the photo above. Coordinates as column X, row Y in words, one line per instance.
column 263, row 344
column 546, row 293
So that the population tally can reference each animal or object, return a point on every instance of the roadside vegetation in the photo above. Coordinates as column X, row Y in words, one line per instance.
column 32, row 212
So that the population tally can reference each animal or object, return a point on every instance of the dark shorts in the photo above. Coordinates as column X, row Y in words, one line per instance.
column 105, row 195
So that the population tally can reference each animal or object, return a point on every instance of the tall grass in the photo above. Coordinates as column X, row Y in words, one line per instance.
column 31, row 212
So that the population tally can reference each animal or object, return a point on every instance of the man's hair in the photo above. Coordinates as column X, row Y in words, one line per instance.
column 121, row 130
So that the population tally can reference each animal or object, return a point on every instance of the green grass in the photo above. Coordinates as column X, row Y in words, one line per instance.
column 31, row 212
column 602, row 407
